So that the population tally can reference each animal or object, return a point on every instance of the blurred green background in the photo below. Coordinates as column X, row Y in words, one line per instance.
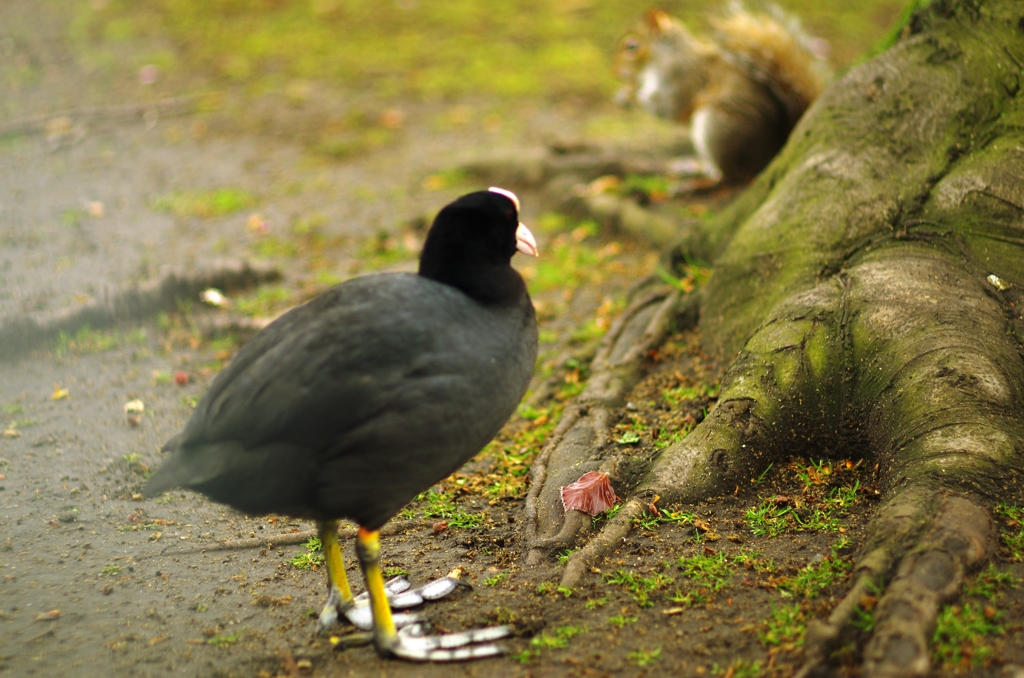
column 398, row 49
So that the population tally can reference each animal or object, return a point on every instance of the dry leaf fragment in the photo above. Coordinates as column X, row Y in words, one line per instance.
column 47, row 616
column 58, row 392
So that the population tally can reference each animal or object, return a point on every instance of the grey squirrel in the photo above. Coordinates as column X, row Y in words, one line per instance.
column 741, row 90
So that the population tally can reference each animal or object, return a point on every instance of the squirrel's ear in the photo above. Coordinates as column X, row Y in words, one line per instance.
column 657, row 19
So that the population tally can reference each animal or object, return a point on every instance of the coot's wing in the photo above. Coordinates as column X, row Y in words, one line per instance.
column 331, row 365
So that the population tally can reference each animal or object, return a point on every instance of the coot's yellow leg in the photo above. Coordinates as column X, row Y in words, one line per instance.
column 368, row 549
column 339, row 597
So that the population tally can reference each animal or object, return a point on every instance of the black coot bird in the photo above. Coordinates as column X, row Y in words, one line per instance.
column 351, row 405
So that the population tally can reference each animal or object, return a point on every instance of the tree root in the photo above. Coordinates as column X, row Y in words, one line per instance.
column 581, row 442
column 957, row 537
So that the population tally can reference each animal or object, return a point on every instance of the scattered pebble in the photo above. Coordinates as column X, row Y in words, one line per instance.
column 148, row 74
column 257, row 224
column 215, row 297
column 998, row 283
column 181, row 378
column 133, row 410
column 392, row 118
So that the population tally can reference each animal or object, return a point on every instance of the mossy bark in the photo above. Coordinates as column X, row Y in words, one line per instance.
column 867, row 295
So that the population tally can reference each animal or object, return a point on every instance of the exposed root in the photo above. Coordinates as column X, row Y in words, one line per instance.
column 948, row 536
column 581, row 442
column 898, row 524
column 960, row 538
column 613, row 534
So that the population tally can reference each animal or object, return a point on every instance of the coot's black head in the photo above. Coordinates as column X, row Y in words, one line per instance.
column 471, row 243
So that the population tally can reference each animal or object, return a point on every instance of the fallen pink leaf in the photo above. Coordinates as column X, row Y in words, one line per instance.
column 592, row 494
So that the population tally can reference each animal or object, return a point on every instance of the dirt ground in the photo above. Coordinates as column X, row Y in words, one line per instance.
column 97, row 581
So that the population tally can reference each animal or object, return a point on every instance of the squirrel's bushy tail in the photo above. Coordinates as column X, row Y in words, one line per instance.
column 775, row 50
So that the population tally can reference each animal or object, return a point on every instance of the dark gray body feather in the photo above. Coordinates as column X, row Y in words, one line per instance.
column 349, row 406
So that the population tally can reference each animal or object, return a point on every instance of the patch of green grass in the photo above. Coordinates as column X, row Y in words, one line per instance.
column 223, row 641
column 87, row 340
column 570, row 261
column 639, row 587
column 387, row 249
column 769, row 519
column 819, row 519
column 354, row 142
column 842, row 498
column 111, row 570
column 680, row 394
column 13, row 408
column 816, row 577
column 205, row 204
column 453, row 177
column 644, row 657
column 312, row 558
column 266, row 301
column 760, row 478
column 753, row 560
column 557, row 640
column 390, row 572
column 691, row 598
column 271, row 247
column 707, row 570
column 693, row 274
column 621, row 620
column 666, row 437
column 988, row 582
column 958, row 641
column 494, row 580
column 864, row 618
column 786, row 627
column 1013, row 535
column 434, row 504
column 628, row 438
column 607, row 514
column 741, row 668
column 594, row 603
column 136, row 527
column 646, row 185
column 814, row 473
column 592, row 329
